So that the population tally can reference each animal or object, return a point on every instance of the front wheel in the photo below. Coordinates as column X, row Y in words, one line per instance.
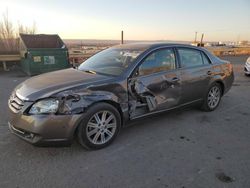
column 213, row 98
column 99, row 126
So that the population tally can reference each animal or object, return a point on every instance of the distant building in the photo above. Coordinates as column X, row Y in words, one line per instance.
column 211, row 44
column 243, row 42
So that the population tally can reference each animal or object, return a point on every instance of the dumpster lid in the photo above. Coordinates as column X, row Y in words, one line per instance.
column 42, row 41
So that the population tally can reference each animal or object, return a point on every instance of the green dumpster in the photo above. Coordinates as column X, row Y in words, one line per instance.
column 42, row 53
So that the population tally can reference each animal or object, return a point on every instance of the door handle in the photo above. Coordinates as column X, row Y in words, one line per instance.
column 209, row 72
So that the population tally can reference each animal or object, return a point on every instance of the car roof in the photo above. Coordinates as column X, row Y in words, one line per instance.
column 150, row 45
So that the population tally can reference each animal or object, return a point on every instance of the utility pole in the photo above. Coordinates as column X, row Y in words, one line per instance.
column 201, row 39
column 122, row 38
column 195, row 37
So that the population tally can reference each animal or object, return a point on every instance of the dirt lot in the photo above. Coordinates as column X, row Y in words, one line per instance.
column 184, row 148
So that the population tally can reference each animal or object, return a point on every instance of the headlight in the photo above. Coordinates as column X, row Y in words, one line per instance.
column 45, row 106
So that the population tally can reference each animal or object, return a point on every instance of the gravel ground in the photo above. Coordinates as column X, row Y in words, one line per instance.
column 183, row 148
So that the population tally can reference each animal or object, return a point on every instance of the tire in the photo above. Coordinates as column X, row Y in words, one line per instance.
column 212, row 98
column 96, row 133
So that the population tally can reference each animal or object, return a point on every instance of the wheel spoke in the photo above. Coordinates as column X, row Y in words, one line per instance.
column 212, row 90
column 103, row 138
column 96, row 137
column 216, row 90
column 97, row 118
column 104, row 115
column 213, row 103
column 111, row 117
column 111, row 125
column 94, row 131
column 110, row 134
column 210, row 103
column 93, row 125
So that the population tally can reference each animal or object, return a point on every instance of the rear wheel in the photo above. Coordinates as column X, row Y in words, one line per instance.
column 99, row 127
column 213, row 98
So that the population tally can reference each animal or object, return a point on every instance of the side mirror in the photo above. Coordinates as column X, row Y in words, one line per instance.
column 136, row 73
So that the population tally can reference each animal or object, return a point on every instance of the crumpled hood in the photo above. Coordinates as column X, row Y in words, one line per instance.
column 48, row 84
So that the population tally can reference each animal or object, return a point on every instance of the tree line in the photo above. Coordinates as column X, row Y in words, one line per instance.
column 9, row 34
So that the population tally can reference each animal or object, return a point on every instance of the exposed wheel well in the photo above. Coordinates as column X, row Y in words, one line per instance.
column 116, row 105
column 222, row 86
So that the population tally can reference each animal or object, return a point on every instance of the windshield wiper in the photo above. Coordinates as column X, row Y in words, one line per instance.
column 94, row 72
column 90, row 71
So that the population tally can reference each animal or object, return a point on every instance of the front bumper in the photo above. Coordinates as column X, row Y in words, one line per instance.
column 247, row 69
column 42, row 129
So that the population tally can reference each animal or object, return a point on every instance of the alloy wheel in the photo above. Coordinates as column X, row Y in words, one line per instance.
column 214, row 97
column 101, row 127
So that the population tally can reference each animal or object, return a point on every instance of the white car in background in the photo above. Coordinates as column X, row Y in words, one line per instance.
column 247, row 67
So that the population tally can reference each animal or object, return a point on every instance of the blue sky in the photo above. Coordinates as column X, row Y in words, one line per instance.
column 219, row 20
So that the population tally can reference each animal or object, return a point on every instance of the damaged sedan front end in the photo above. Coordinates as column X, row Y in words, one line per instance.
column 55, row 118
column 48, row 108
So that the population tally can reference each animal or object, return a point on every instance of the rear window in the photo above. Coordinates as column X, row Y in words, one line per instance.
column 190, row 57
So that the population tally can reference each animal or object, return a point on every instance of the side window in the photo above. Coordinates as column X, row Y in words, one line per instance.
column 160, row 60
column 190, row 57
column 206, row 61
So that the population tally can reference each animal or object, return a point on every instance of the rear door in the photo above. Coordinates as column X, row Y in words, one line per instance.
column 195, row 73
column 155, row 84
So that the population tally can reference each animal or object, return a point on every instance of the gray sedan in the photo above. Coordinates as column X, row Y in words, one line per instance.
column 114, row 87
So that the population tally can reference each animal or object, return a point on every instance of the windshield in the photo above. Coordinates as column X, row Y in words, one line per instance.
column 111, row 61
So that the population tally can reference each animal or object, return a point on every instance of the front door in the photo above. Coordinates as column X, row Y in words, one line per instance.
column 155, row 85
